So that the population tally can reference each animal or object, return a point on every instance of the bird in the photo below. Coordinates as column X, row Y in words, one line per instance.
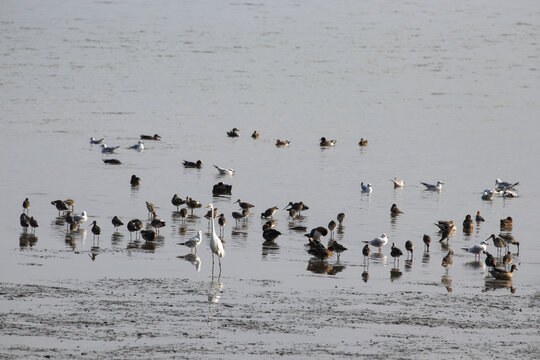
column 332, row 227
column 394, row 210
column 192, row 204
column 432, row 187
column 363, row 142
column 318, row 250
column 293, row 213
column 224, row 171
column 447, row 260
column 95, row 141
column 500, row 274
column 366, row 251
column 325, row 142
column 244, row 205
column 151, row 209
column 269, row 213
column 70, row 203
column 237, row 216
column 151, row 137
column 33, row 224
column 366, row 188
column 507, row 224
column 409, row 246
column 490, row 260
column 193, row 242
column 395, row 252
column 135, row 180
column 487, row 195
column 139, row 146
column 221, row 189
column 157, row 224
column 148, row 235
column 509, row 194
column 255, row 134
column 427, row 241
column 468, row 224
column 221, row 222
column 479, row 217
column 270, row 235
column 233, row 133
column 215, row 243
column 476, row 249
column 510, row 240
column 193, row 164
column 183, row 213
column 108, row 149
column 498, row 242
column 26, row 205
column 96, row 230
column 116, row 223
column 112, row 161
column 60, row 205
column 317, row 233
column 134, row 225
column 282, row 142
column 80, row 218
column 177, row 201
column 398, row 183
column 24, row 221
column 298, row 206
column 341, row 218
column 507, row 259
column 336, row 247
column 503, row 185
column 378, row 241
column 443, row 224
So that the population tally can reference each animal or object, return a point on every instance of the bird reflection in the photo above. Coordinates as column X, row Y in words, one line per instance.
column 408, row 265
column 215, row 289
column 475, row 264
column 269, row 248
column 336, row 268
column 193, row 259
column 365, row 276
column 323, row 267
column 494, row 284
column 94, row 251
column 378, row 257
column 425, row 258
column 116, row 238
column 446, row 280
column 395, row 273
column 70, row 241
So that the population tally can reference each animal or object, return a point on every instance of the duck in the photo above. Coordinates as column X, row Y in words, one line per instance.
column 282, row 142
column 363, row 142
column 135, row 180
column 112, row 161
column 394, row 210
column 222, row 189
column 468, row 224
column 507, row 224
column 193, row 164
column 255, row 134
column 325, row 142
column 233, row 133
column 501, row 274
column 155, row 137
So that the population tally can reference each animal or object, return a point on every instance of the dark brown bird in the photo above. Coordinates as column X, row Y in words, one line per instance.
column 507, row 224
column 24, row 221
column 507, row 259
column 427, row 241
column 112, row 161
column 155, row 137
column 96, row 230
column 468, row 224
column 395, row 253
column 157, row 224
column 510, row 240
column 394, row 210
column 60, row 205
column 317, row 232
column 148, row 235
column 282, row 142
column 244, row 205
column 177, row 201
column 299, row 206
column 490, row 260
column 221, row 221
column 270, row 235
column 332, row 227
column 26, row 205
column 191, row 164
column 193, row 204
column 151, row 209
column 135, row 180
column 337, row 248
column 135, row 226
column 255, row 134
column 183, row 213
column 500, row 274
column 409, row 246
column 269, row 213
column 116, row 223
column 233, row 133
column 325, row 142
column 341, row 218
column 70, row 203
column 366, row 251
column 447, row 260
column 363, row 142
column 221, row 189
column 34, row 224
column 318, row 250
column 479, row 217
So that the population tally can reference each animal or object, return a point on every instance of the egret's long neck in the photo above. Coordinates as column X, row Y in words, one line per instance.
column 212, row 216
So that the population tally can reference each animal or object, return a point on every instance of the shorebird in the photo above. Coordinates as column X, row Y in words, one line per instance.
column 116, row 223
column 108, row 149
column 215, row 243
column 378, row 242
column 270, row 235
column 298, row 206
column 317, row 233
column 507, row 224
column 70, row 203
column 490, row 260
column 33, row 224
column 510, row 240
column 395, row 253
column 233, row 133
column 366, row 188
column 293, row 213
column 139, row 146
column 500, row 274
column 177, row 201
column 151, row 209
column 224, row 171
column 237, row 216
column 507, row 259
column 148, row 235
column 221, row 189
column 468, row 224
column 503, row 185
column 394, row 210
column 96, row 230
column 332, row 227
column 443, row 224
column 341, row 218
column 193, row 242
column 26, row 205
column 192, row 204
column 432, row 187
column 487, row 195
column 244, row 205
column 282, row 142
column 112, row 161
column 135, row 180
column 398, row 183
column 80, row 218
column 427, row 241
column 447, row 260
column 193, row 164
column 221, row 222
column 255, row 134
column 446, row 232
column 409, row 246
column 269, row 213
column 95, row 141
column 476, row 249
column 60, row 205
column 366, row 251
column 325, row 142
column 151, row 137
column 24, row 221
column 334, row 246
column 183, row 214
column 134, row 225
column 498, row 242
column 318, row 250
column 363, row 142
column 157, row 224
column 479, row 217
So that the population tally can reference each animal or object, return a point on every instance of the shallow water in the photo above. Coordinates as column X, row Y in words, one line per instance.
column 442, row 91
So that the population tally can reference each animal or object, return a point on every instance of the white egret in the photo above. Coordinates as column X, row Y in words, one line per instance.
column 215, row 242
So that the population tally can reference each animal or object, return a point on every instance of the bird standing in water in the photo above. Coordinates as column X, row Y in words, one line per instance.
column 215, row 243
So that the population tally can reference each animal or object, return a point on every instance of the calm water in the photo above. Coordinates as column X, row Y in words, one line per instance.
column 442, row 91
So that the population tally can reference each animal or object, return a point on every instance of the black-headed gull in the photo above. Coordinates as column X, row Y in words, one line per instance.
column 503, row 185
column 433, row 187
column 139, row 146
column 108, row 149
column 378, row 242
column 366, row 188
column 96, row 141
column 224, row 171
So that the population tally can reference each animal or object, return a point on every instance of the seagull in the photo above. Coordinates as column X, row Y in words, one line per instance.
column 477, row 249
column 378, row 241
column 503, row 185
column 96, row 141
column 366, row 188
column 509, row 193
column 224, row 171
column 138, row 146
column 108, row 149
column 193, row 242
column 487, row 194
column 80, row 218
column 398, row 183
column 325, row 142
column 432, row 187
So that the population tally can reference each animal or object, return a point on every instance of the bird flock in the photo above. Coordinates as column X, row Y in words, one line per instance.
column 500, row 266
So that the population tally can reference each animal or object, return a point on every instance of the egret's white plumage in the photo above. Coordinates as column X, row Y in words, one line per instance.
column 433, row 187
column 215, row 242
column 224, row 171
column 366, row 188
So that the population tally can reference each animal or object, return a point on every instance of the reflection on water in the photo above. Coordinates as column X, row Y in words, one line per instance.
column 492, row 284
column 476, row 264
column 365, row 276
column 408, row 265
column 323, row 267
column 425, row 258
column 395, row 273
column 116, row 238
column 193, row 259
column 446, row 280
column 378, row 258
column 215, row 290
column 270, row 248
column 26, row 239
